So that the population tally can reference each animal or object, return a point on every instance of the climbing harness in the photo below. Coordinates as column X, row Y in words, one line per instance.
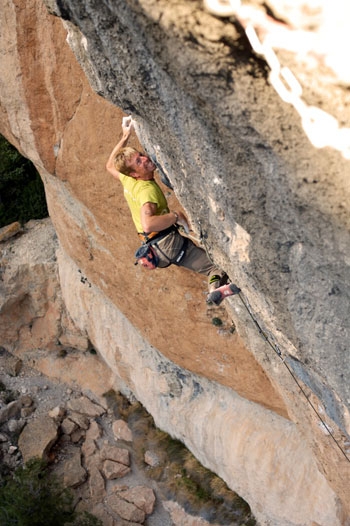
column 321, row 128
column 153, row 236
column 179, row 256
column 147, row 256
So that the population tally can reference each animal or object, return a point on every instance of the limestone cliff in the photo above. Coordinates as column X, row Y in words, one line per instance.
column 273, row 210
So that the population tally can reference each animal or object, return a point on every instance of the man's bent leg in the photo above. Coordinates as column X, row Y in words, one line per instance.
column 196, row 259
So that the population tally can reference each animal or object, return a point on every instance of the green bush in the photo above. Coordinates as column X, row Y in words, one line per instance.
column 33, row 497
column 22, row 195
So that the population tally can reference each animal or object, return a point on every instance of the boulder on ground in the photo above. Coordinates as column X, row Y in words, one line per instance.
column 126, row 510
column 141, row 496
column 122, row 431
column 9, row 231
column 85, row 406
column 114, row 470
column 70, row 470
column 117, row 454
column 38, row 437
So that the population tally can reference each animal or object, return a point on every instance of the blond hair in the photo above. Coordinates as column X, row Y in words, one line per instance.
column 122, row 159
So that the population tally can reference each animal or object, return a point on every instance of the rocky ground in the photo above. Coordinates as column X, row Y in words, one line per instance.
column 107, row 450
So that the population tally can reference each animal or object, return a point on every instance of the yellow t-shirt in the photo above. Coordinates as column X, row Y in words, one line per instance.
column 137, row 193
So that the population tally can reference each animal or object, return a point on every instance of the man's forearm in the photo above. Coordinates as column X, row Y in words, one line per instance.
column 121, row 144
column 156, row 223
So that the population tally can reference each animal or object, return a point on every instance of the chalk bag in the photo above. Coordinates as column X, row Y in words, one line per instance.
column 147, row 257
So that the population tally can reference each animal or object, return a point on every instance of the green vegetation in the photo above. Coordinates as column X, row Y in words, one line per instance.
column 33, row 497
column 22, row 195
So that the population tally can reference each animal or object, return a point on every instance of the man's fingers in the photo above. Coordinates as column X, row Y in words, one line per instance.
column 127, row 123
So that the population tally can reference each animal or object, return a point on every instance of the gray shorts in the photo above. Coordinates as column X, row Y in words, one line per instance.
column 169, row 250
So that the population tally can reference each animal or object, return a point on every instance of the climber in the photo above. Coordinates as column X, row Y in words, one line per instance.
column 157, row 227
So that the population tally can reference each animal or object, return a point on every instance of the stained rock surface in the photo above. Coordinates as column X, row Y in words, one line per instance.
column 270, row 199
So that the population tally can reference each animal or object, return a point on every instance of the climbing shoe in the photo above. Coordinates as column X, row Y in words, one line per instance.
column 220, row 293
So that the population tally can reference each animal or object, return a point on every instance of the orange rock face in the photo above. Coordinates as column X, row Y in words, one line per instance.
column 73, row 131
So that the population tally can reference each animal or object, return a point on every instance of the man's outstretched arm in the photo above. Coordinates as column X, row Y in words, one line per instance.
column 127, row 128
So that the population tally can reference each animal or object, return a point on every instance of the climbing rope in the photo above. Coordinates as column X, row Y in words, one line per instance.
column 321, row 128
column 278, row 352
